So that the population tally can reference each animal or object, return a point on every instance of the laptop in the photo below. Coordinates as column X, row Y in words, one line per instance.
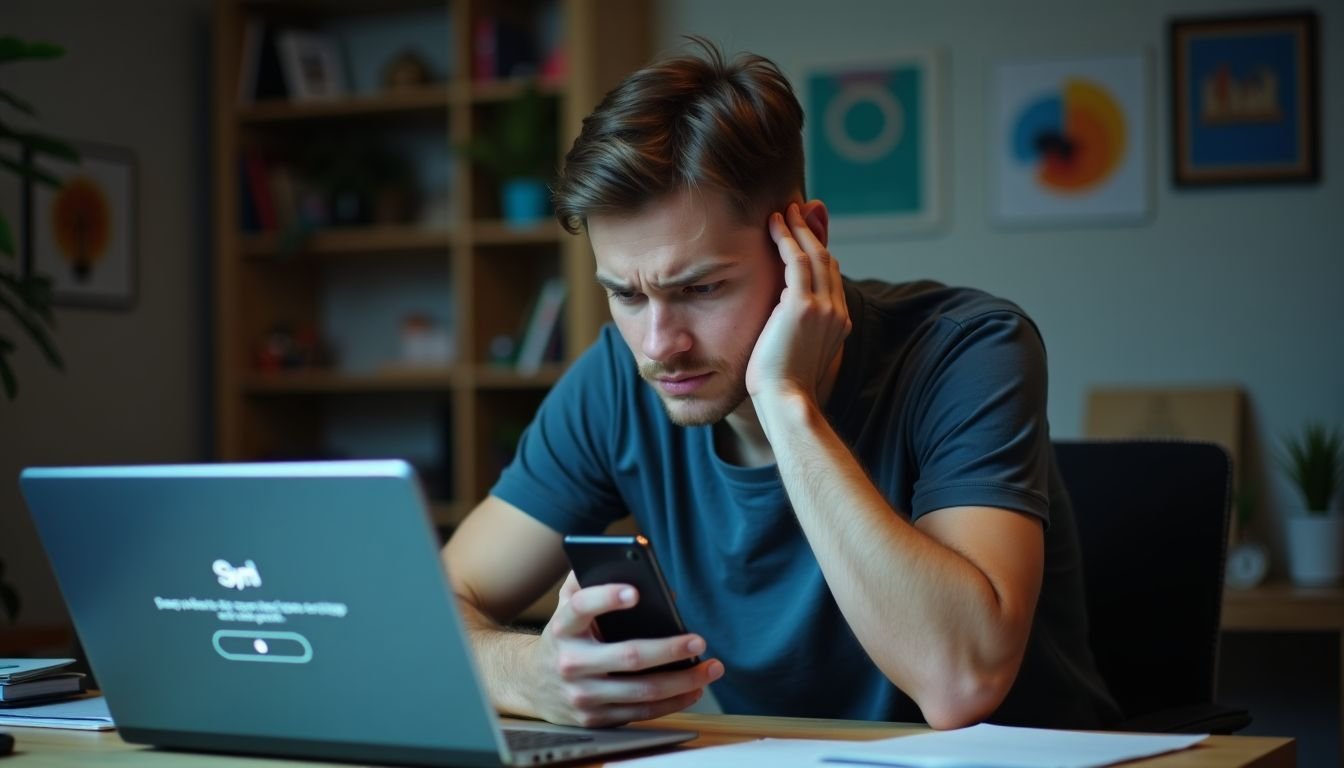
column 296, row 609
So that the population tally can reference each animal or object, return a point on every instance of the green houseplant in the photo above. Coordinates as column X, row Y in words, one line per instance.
column 25, row 298
column 517, row 146
column 1314, row 461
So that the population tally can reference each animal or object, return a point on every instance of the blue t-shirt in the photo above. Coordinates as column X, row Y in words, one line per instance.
column 941, row 396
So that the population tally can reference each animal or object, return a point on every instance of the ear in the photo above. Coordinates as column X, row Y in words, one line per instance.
column 818, row 219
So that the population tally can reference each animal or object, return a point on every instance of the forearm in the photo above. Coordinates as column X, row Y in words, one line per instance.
column 930, row 619
column 500, row 652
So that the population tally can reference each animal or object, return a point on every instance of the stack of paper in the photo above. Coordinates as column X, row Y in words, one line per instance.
column 86, row 714
column 980, row 746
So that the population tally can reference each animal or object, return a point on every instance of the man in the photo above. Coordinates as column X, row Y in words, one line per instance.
column 850, row 485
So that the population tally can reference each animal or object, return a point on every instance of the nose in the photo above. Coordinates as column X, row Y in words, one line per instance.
column 666, row 335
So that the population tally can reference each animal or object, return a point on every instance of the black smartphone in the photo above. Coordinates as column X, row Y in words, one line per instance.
column 629, row 560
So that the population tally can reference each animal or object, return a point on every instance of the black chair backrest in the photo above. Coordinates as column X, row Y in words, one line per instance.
column 1152, row 523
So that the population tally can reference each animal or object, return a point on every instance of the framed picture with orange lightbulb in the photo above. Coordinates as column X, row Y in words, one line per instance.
column 1069, row 140
column 83, row 233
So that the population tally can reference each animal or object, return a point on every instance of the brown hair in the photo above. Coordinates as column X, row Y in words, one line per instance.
column 687, row 122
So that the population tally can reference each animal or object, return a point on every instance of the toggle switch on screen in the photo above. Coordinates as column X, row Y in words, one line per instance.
column 264, row 646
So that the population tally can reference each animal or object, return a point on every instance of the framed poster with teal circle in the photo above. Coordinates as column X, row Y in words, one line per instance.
column 872, row 142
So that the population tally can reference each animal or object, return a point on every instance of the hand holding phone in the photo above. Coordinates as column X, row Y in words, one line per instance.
column 628, row 560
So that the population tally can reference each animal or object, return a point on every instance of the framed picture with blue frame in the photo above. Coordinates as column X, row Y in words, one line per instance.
column 1244, row 99
column 873, row 143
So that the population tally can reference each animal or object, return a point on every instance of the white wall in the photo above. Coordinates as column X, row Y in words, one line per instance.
column 1234, row 285
column 134, row 76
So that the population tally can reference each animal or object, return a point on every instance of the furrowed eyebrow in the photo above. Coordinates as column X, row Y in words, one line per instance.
column 691, row 276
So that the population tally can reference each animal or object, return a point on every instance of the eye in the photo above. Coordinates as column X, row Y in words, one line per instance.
column 625, row 297
column 705, row 289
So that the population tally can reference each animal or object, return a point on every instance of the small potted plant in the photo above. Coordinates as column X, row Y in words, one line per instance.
column 518, row 147
column 1314, row 461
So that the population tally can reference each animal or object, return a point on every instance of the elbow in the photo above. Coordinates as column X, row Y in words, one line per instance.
column 964, row 699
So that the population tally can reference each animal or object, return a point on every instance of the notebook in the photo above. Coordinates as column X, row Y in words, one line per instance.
column 296, row 609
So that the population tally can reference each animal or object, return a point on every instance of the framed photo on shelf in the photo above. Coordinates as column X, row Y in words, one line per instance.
column 1069, row 140
column 1244, row 99
column 83, row 234
column 312, row 65
column 873, row 144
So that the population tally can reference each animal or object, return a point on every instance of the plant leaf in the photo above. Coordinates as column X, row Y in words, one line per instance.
column 17, row 103
column 41, row 144
column 14, row 49
column 30, row 172
column 6, row 237
column 6, row 373
column 34, row 327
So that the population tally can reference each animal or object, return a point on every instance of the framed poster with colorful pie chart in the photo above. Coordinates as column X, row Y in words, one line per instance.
column 82, row 234
column 1070, row 140
column 872, row 144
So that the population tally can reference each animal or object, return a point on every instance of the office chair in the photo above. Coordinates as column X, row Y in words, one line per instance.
column 1152, row 525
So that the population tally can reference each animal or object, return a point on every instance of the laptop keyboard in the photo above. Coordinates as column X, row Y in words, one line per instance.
column 522, row 740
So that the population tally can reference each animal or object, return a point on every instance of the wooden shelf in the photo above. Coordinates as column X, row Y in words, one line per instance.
column 495, row 232
column 475, row 275
column 354, row 240
column 496, row 377
column 431, row 99
column 305, row 382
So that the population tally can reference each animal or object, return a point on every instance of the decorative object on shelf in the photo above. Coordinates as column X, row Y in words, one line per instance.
column 83, row 233
column 874, row 144
column 518, row 148
column 1314, row 461
column 312, row 65
column 1247, row 558
column 360, row 182
column 285, row 348
column 25, row 294
column 425, row 343
column 1244, row 99
column 1070, row 140
column 543, row 327
column 406, row 70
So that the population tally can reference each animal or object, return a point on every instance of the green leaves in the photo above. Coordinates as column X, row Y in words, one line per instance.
column 1315, row 463
column 519, row 140
column 14, row 49
column 26, row 298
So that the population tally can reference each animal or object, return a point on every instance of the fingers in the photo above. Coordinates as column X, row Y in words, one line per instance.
column 614, row 700
column 627, row 656
column 797, row 271
column 574, row 617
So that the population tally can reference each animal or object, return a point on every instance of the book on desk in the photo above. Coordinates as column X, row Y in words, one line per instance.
column 30, row 681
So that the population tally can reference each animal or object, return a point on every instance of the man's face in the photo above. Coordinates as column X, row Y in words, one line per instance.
column 690, row 288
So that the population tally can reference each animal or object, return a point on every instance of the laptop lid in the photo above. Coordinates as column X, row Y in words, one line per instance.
column 280, row 608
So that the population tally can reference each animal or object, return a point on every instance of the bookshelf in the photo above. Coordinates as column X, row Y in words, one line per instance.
column 312, row 306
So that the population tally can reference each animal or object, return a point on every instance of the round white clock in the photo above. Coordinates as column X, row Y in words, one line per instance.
column 1247, row 564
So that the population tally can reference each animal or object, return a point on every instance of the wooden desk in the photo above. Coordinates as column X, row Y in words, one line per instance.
column 1283, row 607
column 58, row 749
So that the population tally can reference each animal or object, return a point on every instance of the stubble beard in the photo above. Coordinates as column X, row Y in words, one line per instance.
column 693, row 410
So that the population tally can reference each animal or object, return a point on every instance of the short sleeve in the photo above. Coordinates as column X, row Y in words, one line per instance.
column 560, row 474
column 981, row 437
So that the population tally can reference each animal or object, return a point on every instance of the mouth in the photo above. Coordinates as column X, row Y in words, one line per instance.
column 682, row 384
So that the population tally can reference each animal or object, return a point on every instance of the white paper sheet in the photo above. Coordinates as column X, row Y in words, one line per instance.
column 87, row 714
column 776, row 753
column 997, row 746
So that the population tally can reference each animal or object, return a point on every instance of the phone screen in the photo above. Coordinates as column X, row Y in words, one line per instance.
column 628, row 560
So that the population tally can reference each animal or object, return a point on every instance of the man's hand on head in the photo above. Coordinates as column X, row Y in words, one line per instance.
column 572, row 668
column 805, row 333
